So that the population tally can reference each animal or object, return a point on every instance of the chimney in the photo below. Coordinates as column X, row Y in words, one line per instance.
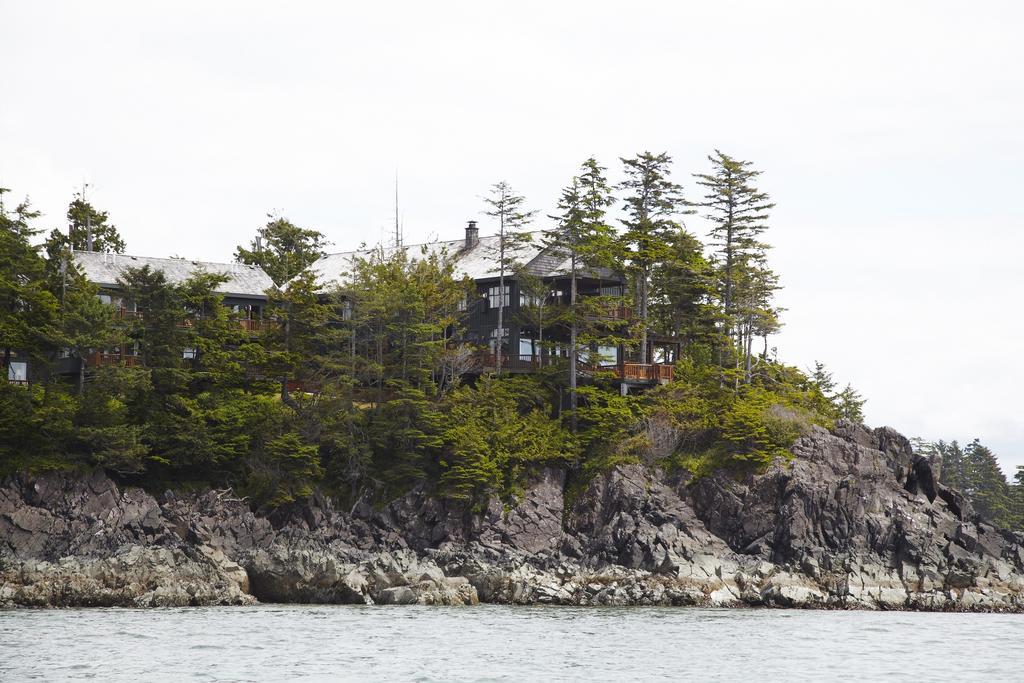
column 472, row 235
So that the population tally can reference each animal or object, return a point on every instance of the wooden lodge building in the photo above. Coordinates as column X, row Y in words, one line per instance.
column 473, row 257
column 244, row 291
column 477, row 258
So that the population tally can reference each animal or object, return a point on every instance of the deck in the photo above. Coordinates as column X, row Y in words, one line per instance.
column 640, row 373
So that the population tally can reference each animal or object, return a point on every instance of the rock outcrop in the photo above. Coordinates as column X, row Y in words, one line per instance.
column 854, row 520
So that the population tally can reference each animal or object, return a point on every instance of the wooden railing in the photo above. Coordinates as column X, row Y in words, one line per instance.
column 249, row 325
column 646, row 372
column 99, row 359
column 519, row 362
column 636, row 372
column 256, row 325
column 622, row 312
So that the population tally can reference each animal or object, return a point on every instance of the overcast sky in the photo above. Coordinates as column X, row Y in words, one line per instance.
column 891, row 136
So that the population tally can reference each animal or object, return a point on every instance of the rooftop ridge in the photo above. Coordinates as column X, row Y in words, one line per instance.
column 110, row 257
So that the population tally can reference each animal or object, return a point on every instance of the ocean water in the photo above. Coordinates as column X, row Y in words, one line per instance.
column 492, row 643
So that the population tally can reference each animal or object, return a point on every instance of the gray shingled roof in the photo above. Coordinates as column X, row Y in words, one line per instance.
column 478, row 262
column 106, row 269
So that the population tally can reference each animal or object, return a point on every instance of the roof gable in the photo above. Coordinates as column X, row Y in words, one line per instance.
column 478, row 262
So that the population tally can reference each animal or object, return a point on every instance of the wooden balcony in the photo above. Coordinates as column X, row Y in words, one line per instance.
column 644, row 372
column 253, row 326
column 99, row 359
column 256, row 326
column 621, row 312
column 630, row 372
column 518, row 363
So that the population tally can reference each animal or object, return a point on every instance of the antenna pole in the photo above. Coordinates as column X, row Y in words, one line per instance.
column 398, row 232
column 88, row 219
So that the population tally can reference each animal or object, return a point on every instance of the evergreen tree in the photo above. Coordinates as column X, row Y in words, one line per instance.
column 986, row 484
column 86, row 226
column 954, row 470
column 754, row 316
column 304, row 337
column 652, row 200
column 282, row 249
column 535, row 308
column 682, row 293
column 507, row 206
column 86, row 324
column 28, row 310
column 492, row 436
column 738, row 212
column 1017, row 498
column 583, row 234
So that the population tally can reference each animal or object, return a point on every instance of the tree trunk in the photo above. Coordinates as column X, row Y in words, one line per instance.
column 572, row 346
column 500, row 334
column 642, row 295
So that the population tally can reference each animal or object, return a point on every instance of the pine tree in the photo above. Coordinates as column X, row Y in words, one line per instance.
column 652, row 200
column 282, row 249
column 753, row 313
column 28, row 310
column 738, row 212
column 954, row 470
column 583, row 234
column 1017, row 498
column 85, row 322
column 986, row 484
column 682, row 293
column 88, row 228
column 507, row 207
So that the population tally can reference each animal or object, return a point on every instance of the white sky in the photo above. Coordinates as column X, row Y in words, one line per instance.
column 891, row 135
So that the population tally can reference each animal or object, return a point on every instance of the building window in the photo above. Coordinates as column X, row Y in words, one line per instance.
column 608, row 355
column 189, row 354
column 526, row 348
column 346, row 310
column 557, row 295
column 611, row 290
column 527, row 300
column 17, row 372
column 494, row 297
column 463, row 304
column 493, row 343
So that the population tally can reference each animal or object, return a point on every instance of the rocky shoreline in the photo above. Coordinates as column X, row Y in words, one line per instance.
column 836, row 527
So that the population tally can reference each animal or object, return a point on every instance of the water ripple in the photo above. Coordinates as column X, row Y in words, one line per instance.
column 490, row 643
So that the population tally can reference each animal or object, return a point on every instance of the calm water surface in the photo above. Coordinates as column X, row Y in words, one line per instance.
column 277, row 643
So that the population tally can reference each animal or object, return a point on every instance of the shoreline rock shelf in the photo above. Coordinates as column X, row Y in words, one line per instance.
column 834, row 528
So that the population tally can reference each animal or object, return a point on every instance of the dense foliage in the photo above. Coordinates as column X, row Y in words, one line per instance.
column 369, row 390
column 974, row 470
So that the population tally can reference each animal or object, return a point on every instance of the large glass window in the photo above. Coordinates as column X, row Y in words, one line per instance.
column 17, row 371
column 494, row 297
column 608, row 355
column 527, row 300
column 611, row 290
column 494, row 344
column 526, row 347
column 346, row 310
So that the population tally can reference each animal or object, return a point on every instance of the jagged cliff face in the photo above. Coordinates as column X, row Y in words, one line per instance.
column 835, row 527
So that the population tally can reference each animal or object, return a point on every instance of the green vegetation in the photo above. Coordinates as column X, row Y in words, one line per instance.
column 366, row 392
column 974, row 470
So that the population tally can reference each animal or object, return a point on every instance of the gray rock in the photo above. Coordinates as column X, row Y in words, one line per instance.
column 855, row 519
